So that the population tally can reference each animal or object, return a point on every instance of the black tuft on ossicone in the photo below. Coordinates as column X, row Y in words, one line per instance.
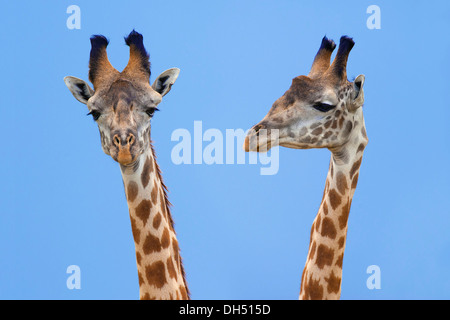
column 345, row 45
column 99, row 41
column 327, row 44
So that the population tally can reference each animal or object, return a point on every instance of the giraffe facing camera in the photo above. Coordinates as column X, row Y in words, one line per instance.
column 122, row 104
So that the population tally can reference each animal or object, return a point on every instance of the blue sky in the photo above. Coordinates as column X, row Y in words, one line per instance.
column 242, row 235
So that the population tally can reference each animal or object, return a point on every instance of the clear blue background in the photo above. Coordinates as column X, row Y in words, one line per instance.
column 242, row 235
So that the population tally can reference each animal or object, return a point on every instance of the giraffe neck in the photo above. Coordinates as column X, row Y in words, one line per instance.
column 321, row 278
column 160, row 269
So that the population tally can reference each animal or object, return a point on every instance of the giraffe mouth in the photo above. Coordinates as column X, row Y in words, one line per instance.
column 125, row 160
column 124, row 156
column 260, row 140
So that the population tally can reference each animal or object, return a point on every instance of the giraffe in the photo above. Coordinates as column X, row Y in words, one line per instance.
column 322, row 110
column 122, row 104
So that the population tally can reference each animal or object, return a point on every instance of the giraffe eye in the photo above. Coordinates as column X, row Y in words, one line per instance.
column 95, row 114
column 323, row 107
column 151, row 111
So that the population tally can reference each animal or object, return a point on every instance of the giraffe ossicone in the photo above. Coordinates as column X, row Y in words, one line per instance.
column 322, row 110
column 122, row 104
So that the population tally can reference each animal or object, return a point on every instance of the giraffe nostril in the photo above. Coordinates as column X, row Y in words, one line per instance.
column 116, row 140
column 131, row 139
column 257, row 128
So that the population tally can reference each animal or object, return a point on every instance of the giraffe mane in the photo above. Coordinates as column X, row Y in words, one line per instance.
column 169, row 214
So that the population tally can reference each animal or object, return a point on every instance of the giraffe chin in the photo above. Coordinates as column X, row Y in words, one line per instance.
column 253, row 144
column 124, row 157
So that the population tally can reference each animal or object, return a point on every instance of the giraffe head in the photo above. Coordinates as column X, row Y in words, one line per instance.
column 122, row 103
column 318, row 111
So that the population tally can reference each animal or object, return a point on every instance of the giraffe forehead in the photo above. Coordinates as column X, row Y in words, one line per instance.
column 122, row 94
column 307, row 91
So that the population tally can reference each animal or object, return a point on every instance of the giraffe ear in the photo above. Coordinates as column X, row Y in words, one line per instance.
column 79, row 88
column 358, row 84
column 165, row 80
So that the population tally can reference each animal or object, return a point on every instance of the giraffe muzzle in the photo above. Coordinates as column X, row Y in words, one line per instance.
column 260, row 139
column 124, row 146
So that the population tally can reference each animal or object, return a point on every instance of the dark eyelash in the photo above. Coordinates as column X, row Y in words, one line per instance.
column 95, row 114
column 323, row 107
column 151, row 111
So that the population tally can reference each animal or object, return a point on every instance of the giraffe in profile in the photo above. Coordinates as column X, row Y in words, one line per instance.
column 322, row 110
column 122, row 104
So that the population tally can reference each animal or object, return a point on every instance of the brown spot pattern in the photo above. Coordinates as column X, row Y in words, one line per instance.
column 335, row 199
column 328, row 228
column 151, row 244
column 313, row 289
column 318, row 220
column 138, row 258
column 361, row 147
column 355, row 167
column 343, row 218
column 155, row 274
column 143, row 210
column 148, row 168
column 324, row 256
column 154, row 194
column 341, row 242
column 327, row 134
column 171, row 268
column 132, row 191
column 348, row 128
column 165, row 210
column 325, row 208
column 165, row 239
column 136, row 232
column 341, row 182
column 303, row 284
column 176, row 252
column 334, row 126
column 340, row 260
column 141, row 279
column 312, row 251
column 183, row 293
column 157, row 220
column 146, row 296
column 317, row 131
column 334, row 283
